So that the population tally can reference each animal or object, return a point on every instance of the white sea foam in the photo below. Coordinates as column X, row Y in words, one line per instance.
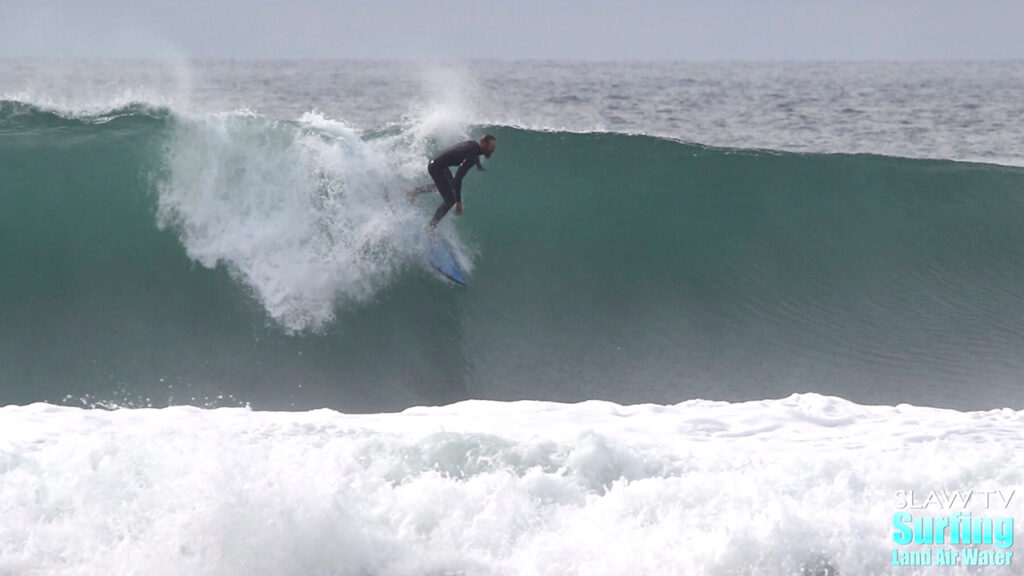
column 308, row 214
column 776, row 487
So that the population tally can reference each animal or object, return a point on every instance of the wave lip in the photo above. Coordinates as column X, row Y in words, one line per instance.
column 939, row 110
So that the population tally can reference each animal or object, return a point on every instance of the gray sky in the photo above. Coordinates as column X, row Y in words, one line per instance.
column 447, row 29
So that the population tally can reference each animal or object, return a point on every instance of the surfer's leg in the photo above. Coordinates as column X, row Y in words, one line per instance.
column 412, row 194
column 442, row 210
column 443, row 180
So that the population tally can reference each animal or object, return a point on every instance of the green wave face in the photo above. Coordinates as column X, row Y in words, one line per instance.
column 630, row 263
column 605, row 266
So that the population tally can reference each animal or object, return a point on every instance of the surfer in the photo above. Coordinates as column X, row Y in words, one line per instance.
column 465, row 155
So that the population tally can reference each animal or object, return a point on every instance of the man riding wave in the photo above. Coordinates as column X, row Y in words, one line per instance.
column 465, row 155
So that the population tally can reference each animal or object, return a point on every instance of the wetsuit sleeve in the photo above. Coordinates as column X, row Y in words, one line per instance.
column 460, row 174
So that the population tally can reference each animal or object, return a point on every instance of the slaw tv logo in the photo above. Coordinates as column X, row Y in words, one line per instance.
column 938, row 529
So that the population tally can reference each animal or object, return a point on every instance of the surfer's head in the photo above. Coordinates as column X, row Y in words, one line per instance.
column 488, row 143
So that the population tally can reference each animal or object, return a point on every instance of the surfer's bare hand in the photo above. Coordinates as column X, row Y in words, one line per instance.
column 458, row 208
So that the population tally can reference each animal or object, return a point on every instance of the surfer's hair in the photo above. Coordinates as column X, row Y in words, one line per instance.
column 487, row 139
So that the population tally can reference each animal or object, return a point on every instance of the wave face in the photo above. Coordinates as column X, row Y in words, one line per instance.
column 153, row 257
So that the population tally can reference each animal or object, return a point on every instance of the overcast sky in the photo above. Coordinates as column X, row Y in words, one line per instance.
column 517, row 29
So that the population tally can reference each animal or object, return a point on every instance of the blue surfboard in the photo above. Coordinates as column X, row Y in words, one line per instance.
column 443, row 260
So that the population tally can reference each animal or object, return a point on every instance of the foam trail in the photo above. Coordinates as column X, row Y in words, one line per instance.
column 802, row 485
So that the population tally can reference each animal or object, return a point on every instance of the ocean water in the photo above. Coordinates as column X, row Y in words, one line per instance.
column 945, row 110
column 719, row 316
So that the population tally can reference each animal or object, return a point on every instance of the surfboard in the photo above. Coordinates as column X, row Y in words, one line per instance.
column 443, row 260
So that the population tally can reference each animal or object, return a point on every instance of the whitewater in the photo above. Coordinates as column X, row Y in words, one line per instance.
column 222, row 351
column 801, row 485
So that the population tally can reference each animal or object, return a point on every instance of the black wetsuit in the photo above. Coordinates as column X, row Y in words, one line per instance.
column 465, row 155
